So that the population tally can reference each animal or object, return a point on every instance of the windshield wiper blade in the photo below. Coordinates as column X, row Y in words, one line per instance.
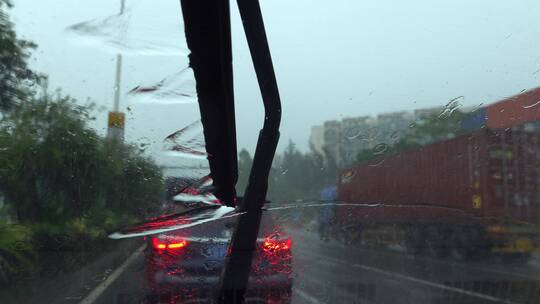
column 207, row 27
column 237, row 267
column 208, row 36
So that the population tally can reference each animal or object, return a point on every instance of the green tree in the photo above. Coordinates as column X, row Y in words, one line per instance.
column 294, row 175
column 299, row 176
column 55, row 168
column 132, row 183
column 434, row 128
column 50, row 154
column 16, row 79
column 56, row 173
column 244, row 168
column 430, row 129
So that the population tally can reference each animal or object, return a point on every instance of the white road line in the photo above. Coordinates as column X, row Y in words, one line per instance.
column 428, row 283
column 330, row 261
column 470, row 267
column 306, row 296
column 449, row 263
column 436, row 285
column 344, row 294
column 94, row 294
column 421, row 281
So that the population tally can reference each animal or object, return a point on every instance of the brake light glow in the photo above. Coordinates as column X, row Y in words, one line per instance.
column 160, row 244
column 177, row 245
column 276, row 245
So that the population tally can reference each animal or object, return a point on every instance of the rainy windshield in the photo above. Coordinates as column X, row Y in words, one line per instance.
column 407, row 168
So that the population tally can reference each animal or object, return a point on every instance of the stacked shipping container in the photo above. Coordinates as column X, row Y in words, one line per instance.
column 473, row 192
column 490, row 174
column 513, row 111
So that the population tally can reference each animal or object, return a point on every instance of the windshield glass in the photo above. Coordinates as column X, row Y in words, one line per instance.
column 407, row 168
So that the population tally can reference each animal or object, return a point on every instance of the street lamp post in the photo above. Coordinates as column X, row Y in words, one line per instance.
column 117, row 119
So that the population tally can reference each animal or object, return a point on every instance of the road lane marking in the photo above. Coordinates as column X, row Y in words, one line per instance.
column 333, row 262
column 307, row 296
column 446, row 263
column 436, row 285
column 343, row 292
column 397, row 276
column 98, row 291
column 329, row 261
column 428, row 283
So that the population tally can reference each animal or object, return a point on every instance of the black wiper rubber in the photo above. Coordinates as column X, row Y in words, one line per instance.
column 234, row 278
column 207, row 27
column 208, row 35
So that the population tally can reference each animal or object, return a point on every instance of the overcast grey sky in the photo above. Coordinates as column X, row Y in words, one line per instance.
column 333, row 59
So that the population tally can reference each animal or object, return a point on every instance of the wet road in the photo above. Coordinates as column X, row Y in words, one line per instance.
column 333, row 273
column 329, row 272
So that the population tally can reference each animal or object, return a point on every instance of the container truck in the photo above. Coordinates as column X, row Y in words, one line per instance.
column 473, row 195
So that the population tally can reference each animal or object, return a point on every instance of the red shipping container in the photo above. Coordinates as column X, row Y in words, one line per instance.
column 487, row 174
column 515, row 110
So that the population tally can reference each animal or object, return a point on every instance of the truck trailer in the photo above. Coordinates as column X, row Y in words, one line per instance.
column 473, row 195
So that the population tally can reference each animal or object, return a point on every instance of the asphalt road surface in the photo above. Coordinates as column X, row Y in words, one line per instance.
column 329, row 272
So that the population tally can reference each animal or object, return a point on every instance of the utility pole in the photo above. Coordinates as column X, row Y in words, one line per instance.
column 117, row 118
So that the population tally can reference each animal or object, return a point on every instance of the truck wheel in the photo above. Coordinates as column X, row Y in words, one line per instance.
column 347, row 237
column 479, row 244
column 460, row 245
column 414, row 243
column 436, row 249
column 436, row 243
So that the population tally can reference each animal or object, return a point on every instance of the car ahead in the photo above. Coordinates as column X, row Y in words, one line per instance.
column 184, row 266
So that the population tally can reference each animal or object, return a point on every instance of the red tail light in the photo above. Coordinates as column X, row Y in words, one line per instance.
column 173, row 244
column 273, row 245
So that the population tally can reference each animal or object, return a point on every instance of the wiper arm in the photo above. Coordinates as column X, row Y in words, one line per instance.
column 207, row 27
column 234, row 278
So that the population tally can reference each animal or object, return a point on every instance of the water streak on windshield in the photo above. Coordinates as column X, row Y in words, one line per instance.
column 178, row 88
column 133, row 32
column 209, row 214
column 187, row 142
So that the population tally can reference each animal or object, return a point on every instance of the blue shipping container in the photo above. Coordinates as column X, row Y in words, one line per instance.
column 476, row 121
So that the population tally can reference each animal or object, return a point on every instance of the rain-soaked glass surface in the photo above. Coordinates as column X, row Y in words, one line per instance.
column 408, row 167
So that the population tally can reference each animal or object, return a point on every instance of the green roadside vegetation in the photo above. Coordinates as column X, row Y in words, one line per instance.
column 63, row 187
column 430, row 129
column 294, row 176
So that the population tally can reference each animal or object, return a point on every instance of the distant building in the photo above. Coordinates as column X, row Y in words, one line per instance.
column 392, row 126
column 316, row 139
column 356, row 136
column 423, row 113
column 332, row 140
column 342, row 141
